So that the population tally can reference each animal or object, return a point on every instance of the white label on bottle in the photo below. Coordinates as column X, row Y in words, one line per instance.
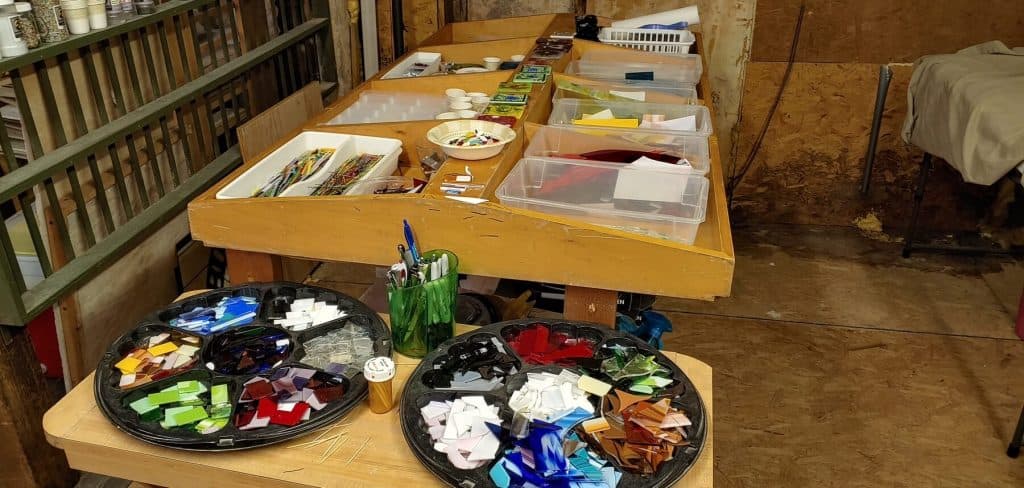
column 15, row 25
column 59, row 14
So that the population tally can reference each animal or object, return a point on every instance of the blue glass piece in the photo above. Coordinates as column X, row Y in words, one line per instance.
column 499, row 476
column 567, row 422
column 545, row 441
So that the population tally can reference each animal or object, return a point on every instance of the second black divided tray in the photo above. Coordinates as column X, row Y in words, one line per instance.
column 113, row 400
column 681, row 391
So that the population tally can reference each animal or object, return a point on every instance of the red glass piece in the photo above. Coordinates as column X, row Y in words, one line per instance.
column 259, row 389
column 281, row 417
column 244, row 417
column 266, row 408
column 329, row 394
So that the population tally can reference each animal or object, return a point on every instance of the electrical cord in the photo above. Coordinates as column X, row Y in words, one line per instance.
column 737, row 177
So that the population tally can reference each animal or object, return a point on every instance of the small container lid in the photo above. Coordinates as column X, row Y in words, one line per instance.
column 23, row 6
column 6, row 2
column 378, row 369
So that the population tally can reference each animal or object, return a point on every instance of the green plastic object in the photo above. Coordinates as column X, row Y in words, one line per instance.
column 423, row 316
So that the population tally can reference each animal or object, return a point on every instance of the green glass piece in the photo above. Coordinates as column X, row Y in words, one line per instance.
column 644, row 390
column 142, row 405
column 163, row 397
column 192, row 415
column 219, row 394
column 152, row 415
column 220, row 411
column 188, row 386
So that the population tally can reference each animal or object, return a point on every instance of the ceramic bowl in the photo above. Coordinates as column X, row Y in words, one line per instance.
column 443, row 133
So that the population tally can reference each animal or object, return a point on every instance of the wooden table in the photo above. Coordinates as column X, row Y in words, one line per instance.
column 593, row 261
column 374, row 452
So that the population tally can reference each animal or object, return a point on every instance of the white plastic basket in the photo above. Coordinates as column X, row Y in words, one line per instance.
column 659, row 41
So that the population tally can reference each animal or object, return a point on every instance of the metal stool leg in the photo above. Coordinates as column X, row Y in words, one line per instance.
column 884, row 77
column 908, row 240
column 1014, row 449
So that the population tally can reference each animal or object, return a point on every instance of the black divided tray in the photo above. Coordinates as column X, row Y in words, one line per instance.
column 113, row 400
column 417, row 394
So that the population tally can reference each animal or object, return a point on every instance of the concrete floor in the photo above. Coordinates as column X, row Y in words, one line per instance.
column 838, row 363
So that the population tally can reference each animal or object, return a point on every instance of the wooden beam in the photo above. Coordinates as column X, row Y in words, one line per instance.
column 24, row 397
column 590, row 305
column 250, row 267
column 385, row 34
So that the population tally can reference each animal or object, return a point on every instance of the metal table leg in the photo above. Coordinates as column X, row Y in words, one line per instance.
column 884, row 77
column 1014, row 449
column 908, row 240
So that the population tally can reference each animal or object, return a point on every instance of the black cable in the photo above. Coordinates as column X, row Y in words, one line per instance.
column 734, row 182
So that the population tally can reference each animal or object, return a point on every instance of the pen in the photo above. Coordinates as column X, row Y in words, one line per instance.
column 411, row 241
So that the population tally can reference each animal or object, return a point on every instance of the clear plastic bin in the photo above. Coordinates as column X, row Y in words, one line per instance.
column 566, row 110
column 663, row 204
column 430, row 64
column 682, row 90
column 558, row 142
column 384, row 106
column 687, row 70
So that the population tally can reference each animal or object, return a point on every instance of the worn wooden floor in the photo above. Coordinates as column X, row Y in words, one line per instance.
column 838, row 363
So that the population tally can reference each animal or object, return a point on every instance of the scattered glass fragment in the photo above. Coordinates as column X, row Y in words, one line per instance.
column 642, row 371
column 304, row 313
column 156, row 357
column 348, row 173
column 229, row 312
column 640, row 436
column 466, row 429
column 299, row 169
column 350, row 345
column 186, row 404
column 538, row 344
column 249, row 351
column 287, row 398
column 472, row 366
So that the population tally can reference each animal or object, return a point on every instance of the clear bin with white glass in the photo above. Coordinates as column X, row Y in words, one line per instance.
column 573, row 111
column 687, row 69
column 619, row 146
column 662, row 203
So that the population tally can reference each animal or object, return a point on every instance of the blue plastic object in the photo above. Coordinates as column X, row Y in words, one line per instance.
column 649, row 328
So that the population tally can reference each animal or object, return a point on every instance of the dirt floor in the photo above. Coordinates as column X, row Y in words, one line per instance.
column 838, row 363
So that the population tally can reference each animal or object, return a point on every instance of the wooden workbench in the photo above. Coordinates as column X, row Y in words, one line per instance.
column 490, row 239
column 373, row 454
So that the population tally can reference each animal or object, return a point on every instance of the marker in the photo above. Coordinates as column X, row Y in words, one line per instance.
column 411, row 240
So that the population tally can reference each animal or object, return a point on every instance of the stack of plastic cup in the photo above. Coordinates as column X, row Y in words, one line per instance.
column 76, row 15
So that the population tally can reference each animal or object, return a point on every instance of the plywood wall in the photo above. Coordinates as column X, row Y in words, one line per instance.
column 809, row 167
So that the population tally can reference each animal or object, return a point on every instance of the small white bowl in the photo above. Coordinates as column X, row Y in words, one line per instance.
column 460, row 106
column 443, row 133
column 484, row 100
column 446, row 116
column 467, row 114
column 455, row 92
column 517, row 58
column 476, row 94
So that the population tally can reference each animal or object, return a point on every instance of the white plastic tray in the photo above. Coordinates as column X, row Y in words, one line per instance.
column 346, row 146
column 432, row 60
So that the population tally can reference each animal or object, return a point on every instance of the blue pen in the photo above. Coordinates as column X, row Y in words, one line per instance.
column 411, row 241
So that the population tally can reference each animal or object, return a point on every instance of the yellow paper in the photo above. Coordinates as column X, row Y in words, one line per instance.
column 161, row 349
column 622, row 123
column 128, row 365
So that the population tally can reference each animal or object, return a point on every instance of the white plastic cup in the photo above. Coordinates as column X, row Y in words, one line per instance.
column 518, row 58
column 97, row 14
column 76, row 15
column 460, row 106
column 446, row 116
column 11, row 43
column 492, row 63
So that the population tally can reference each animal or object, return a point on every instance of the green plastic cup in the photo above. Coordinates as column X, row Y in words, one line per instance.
column 423, row 316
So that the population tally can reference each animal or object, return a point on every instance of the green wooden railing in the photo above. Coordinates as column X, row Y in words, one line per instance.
column 122, row 127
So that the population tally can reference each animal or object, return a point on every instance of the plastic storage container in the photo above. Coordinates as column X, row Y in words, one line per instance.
column 660, row 41
column 663, row 204
column 682, row 69
column 407, row 69
column 346, row 147
column 566, row 110
column 555, row 142
column 381, row 106
column 682, row 90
